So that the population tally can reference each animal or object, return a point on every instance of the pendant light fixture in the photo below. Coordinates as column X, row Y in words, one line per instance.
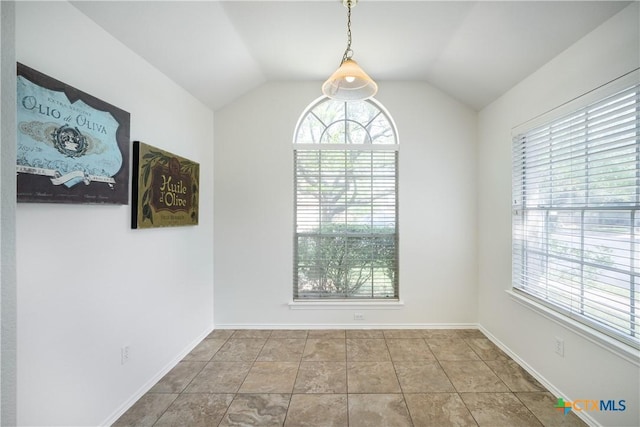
column 349, row 82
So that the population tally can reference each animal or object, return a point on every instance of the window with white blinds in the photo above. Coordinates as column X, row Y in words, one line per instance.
column 346, row 202
column 575, row 219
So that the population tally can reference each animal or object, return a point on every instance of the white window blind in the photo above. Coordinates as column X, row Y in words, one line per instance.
column 346, row 240
column 575, row 219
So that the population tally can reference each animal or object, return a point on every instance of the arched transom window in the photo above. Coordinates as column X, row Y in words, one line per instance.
column 346, row 202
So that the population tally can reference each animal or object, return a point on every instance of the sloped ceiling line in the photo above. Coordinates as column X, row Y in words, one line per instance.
column 475, row 50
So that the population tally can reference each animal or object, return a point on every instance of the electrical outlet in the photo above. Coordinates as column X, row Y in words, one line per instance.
column 358, row 316
column 124, row 354
column 559, row 346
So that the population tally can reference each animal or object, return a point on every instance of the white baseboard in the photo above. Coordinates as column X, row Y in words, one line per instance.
column 147, row 386
column 348, row 326
column 583, row 415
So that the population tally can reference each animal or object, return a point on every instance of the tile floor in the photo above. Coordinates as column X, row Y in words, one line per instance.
column 372, row 378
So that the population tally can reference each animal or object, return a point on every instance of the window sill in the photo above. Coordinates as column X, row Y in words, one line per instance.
column 345, row 305
column 612, row 345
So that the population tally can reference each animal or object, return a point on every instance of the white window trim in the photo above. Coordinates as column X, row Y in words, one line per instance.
column 335, row 304
column 583, row 100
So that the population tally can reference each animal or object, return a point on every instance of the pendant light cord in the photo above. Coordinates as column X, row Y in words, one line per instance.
column 348, row 53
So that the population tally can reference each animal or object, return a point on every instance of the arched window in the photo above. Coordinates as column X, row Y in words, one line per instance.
column 346, row 201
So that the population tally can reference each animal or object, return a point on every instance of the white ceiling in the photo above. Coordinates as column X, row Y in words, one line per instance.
column 473, row 50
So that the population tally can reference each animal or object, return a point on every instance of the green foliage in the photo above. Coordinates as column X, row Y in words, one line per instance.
column 339, row 260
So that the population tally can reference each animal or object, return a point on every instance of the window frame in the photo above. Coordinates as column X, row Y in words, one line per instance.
column 569, row 316
column 345, row 300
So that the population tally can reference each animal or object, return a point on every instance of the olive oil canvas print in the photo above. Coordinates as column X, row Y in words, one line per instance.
column 165, row 188
column 71, row 146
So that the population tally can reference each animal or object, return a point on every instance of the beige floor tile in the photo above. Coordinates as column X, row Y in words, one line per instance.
column 325, row 350
column 282, row 350
column 196, row 410
column 425, row 376
column 251, row 334
column 240, row 350
column 499, row 410
column 542, row 405
column 514, row 376
column 367, row 350
column 321, row 377
column 471, row 333
column 326, row 410
column 327, row 333
column 146, row 411
column 438, row 409
column 178, row 378
column 365, row 333
column 289, row 333
column 368, row 410
column 257, row 410
column 221, row 333
column 204, row 351
column 485, row 349
column 219, row 377
column 441, row 333
column 451, row 349
column 409, row 349
column 472, row 376
column 259, row 369
column 270, row 377
column 372, row 377
column 403, row 333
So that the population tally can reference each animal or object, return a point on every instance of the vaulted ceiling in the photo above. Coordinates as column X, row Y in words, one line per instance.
column 473, row 50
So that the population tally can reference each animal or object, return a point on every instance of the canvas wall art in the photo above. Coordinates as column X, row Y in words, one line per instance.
column 71, row 146
column 165, row 188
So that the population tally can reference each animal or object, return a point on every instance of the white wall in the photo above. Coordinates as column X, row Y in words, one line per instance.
column 587, row 370
column 254, row 209
column 8, row 302
column 87, row 283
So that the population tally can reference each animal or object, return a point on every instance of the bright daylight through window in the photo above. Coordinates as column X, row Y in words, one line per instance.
column 346, row 202
column 576, row 225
